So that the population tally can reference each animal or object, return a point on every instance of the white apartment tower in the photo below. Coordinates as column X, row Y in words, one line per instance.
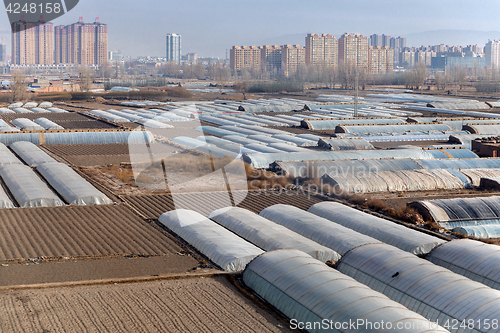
column 174, row 48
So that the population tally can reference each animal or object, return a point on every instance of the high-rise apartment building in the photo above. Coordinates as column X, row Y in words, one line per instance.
column 174, row 48
column 32, row 43
column 321, row 50
column 292, row 56
column 3, row 52
column 270, row 57
column 381, row 59
column 353, row 50
column 492, row 54
column 244, row 57
column 375, row 40
column 81, row 43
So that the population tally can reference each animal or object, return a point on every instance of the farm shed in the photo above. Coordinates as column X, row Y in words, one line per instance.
column 224, row 248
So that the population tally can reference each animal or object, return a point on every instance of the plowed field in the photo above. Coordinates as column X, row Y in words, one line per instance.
column 188, row 305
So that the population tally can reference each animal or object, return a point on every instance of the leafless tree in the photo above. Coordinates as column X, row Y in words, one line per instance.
column 19, row 86
column 85, row 75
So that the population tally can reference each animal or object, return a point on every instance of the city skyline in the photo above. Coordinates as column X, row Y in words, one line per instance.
column 211, row 29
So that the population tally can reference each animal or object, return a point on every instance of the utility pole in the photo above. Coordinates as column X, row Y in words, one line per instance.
column 356, row 96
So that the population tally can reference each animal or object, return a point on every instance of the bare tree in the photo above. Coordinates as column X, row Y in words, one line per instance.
column 85, row 75
column 440, row 81
column 19, row 86
column 242, row 87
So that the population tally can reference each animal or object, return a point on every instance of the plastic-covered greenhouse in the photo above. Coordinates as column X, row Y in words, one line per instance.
column 308, row 291
column 345, row 144
column 7, row 157
column 268, row 131
column 476, row 260
column 149, row 123
column 260, row 148
column 268, row 139
column 213, row 140
column 311, row 169
column 325, row 124
column 217, row 131
column 483, row 129
column 5, row 201
column 320, row 230
column 71, row 187
column 428, row 289
column 388, row 232
column 105, row 137
column 264, row 160
column 483, row 231
column 27, row 125
column 286, row 146
column 27, row 188
column 48, row 124
column 30, row 153
column 400, row 180
column 224, row 248
column 241, row 130
column 369, row 129
column 109, row 116
column 476, row 175
column 472, row 163
column 459, row 212
column 268, row 235
column 301, row 142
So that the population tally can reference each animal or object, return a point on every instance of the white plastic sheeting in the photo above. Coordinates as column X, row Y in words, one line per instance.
column 71, row 187
column 48, row 124
column 475, row 175
column 31, row 154
column 109, row 116
column 388, row 232
column 320, row 230
column 476, row 260
column 428, row 289
column 7, row 157
column 268, row 235
column 399, row 180
column 149, row 123
column 27, row 125
column 308, row 291
column 227, row 250
column 483, row 231
column 345, row 144
column 27, row 188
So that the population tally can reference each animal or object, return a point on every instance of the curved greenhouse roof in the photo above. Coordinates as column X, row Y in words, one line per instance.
column 27, row 124
column 308, row 291
column 217, row 131
column 48, row 124
column 483, row 129
column 476, row 260
column 421, row 286
column 325, row 124
column 286, row 146
column 107, row 137
column 268, row 235
column 265, row 160
column 301, row 142
column 370, row 129
column 457, row 212
column 311, row 169
column 31, row 154
column 345, row 144
column 471, row 163
column 388, row 232
column 109, row 116
column 71, row 186
column 269, row 139
column 224, row 248
column 7, row 157
column 27, row 188
column 260, row 148
column 395, row 181
column 483, row 231
column 320, row 230
column 241, row 130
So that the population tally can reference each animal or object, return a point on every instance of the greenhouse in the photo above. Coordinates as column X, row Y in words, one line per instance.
column 286, row 146
column 235, row 148
column 268, row 235
column 27, row 188
column 260, row 148
column 71, row 186
column 213, row 140
column 318, row 229
column 218, row 121
column 227, row 250
column 265, row 160
column 48, row 124
column 268, row 139
column 217, row 131
column 396, row 181
column 459, row 212
column 312, row 137
column 109, row 116
column 149, row 123
column 30, row 153
column 7, row 157
column 5, row 110
column 267, row 131
column 219, row 152
column 22, row 110
column 308, row 291
column 330, row 124
column 5, row 201
column 301, row 142
column 471, row 163
column 388, row 232
column 408, row 137
column 483, row 129
column 242, row 140
column 316, row 169
column 241, row 130
column 476, row 175
column 476, row 260
column 38, row 110
column 428, row 289
column 393, row 128
column 27, row 124
column 105, row 137
column 56, row 110
column 345, row 144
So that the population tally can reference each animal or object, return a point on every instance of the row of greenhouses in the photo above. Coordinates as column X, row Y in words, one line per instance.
column 32, row 110
column 378, row 265
column 28, row 189
column 30, row 105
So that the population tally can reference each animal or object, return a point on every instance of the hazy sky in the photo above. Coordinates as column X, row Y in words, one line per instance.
column 208, row 28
